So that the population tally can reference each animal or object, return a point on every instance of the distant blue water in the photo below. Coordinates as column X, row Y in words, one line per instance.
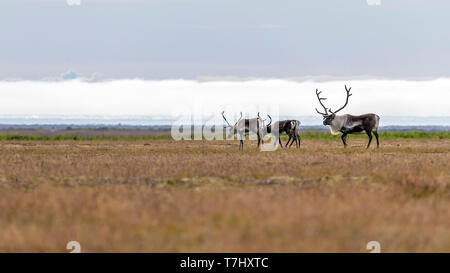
column 146, row 122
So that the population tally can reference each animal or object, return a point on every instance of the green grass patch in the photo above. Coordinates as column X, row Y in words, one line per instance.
column 308, row 135
column 81, row 138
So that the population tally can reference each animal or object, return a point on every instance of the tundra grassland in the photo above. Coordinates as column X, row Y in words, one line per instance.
column 160, row 195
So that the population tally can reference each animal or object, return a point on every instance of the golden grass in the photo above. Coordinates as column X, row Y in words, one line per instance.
column 202, row 196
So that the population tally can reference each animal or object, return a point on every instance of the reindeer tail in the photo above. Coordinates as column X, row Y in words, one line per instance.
column 377, row 122
column 297, row 125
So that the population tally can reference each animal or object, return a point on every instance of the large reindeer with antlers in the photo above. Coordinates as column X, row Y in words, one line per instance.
column 244, row 126
column 348, row 124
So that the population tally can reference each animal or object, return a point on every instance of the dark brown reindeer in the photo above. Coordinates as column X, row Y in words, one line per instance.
column 288, row 127
column 348, row 124
column 243, row 127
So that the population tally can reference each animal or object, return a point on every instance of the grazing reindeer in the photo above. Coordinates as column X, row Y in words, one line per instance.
column 243, row 126
column 294, row 133
column 289, row 127
column 348, row 124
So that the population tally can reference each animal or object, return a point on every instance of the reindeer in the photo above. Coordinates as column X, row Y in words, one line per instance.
column 348, row 124
column 244, row 126
column 289, row 127
column 294, row 133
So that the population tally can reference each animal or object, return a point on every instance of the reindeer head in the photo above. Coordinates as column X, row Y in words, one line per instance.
column 268, row 127
column 329, row 117
column 233, row 130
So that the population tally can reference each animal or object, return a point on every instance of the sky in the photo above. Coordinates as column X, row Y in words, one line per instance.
column 190, row 39
column 163, row 57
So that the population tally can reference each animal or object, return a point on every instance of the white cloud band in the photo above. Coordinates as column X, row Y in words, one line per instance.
column 140, row 97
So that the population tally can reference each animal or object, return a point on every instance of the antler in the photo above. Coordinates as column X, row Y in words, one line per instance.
column 223, row 115
column 346, row 100
column 270, row 120
column 320, row 101
column 265, row 120
column 238, row 119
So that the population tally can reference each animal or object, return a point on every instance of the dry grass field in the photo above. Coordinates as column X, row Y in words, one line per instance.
column 206, row 196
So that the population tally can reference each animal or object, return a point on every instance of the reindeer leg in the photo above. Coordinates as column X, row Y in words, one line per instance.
column 370, row 138
column 296, row 141
column 279, row 141
column 294, row 138
column 275, row 143
column 344, row 139
column 376, row 136
column 288, row 142
column 241, row 142
column 262, row 137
